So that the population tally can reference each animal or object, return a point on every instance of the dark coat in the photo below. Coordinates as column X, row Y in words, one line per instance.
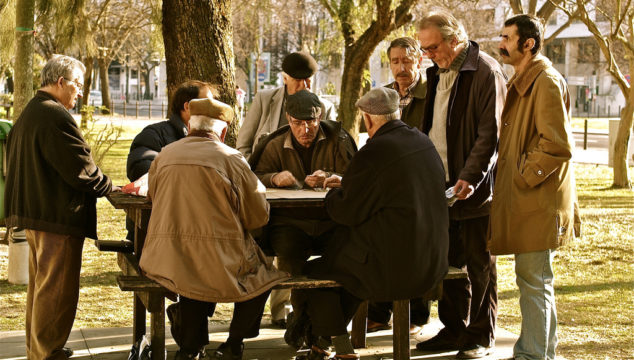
column 473, row 118
column 412, row 114
column 149, row 142
column 52, row 181
column 393, row 241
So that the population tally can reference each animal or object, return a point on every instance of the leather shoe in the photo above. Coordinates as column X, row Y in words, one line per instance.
column 279, row 323
column 68, row 352
column 415, row 329
column 374, row 326
column 440, row 342
column 474, row 351
column 224, row 352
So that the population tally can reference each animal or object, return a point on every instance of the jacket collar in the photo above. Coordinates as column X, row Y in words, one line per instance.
column 178, row 124
column 387, row 127
column 420, row 90
column 523, row 81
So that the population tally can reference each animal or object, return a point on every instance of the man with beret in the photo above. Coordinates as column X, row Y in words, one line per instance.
column 391, row 241
column 204, row 200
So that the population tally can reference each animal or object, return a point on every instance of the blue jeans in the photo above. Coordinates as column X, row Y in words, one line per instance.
column 538, row 337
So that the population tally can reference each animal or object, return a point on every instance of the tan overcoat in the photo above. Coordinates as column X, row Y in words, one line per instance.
column 204, row 200
column 534, row 199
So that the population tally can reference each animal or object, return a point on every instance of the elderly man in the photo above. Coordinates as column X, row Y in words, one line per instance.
column 392, row 240
column 268, row 111
column 204, row 200
column 405, row 63
column 534, row 201
column 51, row 190
column 465, row 96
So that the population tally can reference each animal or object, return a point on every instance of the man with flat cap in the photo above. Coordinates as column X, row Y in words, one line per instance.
column 267, row 112
column 391, row 241
column 205, row 199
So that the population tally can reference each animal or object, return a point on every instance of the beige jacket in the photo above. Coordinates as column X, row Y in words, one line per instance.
column 204, row 200
column 534, row 199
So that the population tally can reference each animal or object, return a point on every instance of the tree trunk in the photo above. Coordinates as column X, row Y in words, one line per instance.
column 199, row 46
column 619, row 162
column 351, row 92
column 85, row 99
column 24, row 23
column 104, row 83
column 148, row 88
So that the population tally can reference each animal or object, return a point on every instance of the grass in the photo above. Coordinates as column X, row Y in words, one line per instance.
column 594, row 274
column 594, row 124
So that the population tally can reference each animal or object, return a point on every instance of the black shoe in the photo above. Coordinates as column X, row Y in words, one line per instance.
column 474, row 351
column 315, row 353
column 224, row 352
column 296, row 329
column 280, row 323
column 182, row 355
column 68, row 352
column 440, row 342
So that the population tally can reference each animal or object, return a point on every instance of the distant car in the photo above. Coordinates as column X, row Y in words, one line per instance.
column 95, row 98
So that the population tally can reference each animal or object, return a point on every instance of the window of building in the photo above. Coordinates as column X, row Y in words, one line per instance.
column 556, row 51
column 587, row 51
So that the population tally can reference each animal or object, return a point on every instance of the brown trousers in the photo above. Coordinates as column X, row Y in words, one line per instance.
column 53, row 291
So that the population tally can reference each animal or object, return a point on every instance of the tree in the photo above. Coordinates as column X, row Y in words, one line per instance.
column 616, row 31
column 23, row 83
column 385, row 17
column 199, row 46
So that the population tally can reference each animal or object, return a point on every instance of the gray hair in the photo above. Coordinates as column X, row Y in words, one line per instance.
column 205, row 123
column 450, row 28
column 380, row 119
column 410, row 45
column 60, row 66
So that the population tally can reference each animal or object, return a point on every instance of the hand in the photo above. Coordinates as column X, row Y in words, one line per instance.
column 316, row 179
column 115, row 188
column 463, row 189
column 334, row 181
column 283, row 179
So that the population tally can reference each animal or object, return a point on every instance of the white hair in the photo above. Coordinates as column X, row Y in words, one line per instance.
column 380, row 119
column 60, row 66
column 205, row 123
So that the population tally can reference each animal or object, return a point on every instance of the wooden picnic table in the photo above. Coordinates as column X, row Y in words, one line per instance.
column 152, row 298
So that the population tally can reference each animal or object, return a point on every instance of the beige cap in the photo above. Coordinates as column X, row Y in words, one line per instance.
column 211, row 108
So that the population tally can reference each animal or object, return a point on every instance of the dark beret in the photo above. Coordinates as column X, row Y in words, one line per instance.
column 379, row 101
column 299, row 65
column 303, row 105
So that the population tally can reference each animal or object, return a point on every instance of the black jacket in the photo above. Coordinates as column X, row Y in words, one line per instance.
column 473, row 118
column 52, row 182
column 149, row 142
column 393, row 241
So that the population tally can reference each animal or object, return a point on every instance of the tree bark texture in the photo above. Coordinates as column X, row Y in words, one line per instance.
column 199, row 46
column 85, row 99
column 621, row 176
column 104, row 84
column 24, row 22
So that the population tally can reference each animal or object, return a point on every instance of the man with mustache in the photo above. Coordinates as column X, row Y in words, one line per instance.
column 405, row 62
column 465, row 95
column 534, row 210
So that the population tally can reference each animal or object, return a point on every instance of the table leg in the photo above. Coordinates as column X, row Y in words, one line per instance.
column 157, row 335
column 138, row 321
column 401, row 330
column 359, row 326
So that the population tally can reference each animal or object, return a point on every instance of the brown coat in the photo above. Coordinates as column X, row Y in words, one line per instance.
column 204, row 200
column 534, row 199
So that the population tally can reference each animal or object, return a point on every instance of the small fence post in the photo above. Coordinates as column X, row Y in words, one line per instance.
column 125, row 112
column 585, row 134
column 162, row 109
column 149, row 114
column 137, row 109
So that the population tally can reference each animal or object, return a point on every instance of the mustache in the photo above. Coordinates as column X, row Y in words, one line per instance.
column 504, row 52
column 402, row 74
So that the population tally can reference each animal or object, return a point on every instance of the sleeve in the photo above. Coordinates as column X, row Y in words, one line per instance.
column 331, row 111
column 143, row 150
column 268, row 165
column 551, row 122
column 345, row 152
column 246, row 135
column 354, row 202
column 254, row 209
column 490, row 105
column 69, row 154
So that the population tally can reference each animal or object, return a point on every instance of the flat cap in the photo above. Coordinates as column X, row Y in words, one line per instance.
column 379, row 101
column 211, row 108
column 299, row 65
column 303, row 105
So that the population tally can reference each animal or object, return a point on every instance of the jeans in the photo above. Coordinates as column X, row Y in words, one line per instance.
column 538, row 337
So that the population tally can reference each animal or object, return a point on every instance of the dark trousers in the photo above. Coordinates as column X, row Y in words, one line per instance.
column 382, row 311
column 468, row 307
column 190, row 317
column 329, row 309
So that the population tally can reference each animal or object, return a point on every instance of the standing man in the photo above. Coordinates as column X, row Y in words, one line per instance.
column 405, row 62
column 534, row 202
column 465, row 96
column 51, row 191
column 391, row 242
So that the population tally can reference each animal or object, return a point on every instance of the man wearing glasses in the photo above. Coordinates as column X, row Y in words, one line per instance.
column 51, row 190
column 301, row 155
column 465, row 95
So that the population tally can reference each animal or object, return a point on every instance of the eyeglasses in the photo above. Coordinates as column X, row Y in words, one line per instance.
column 307, row 123
column 430, row 49
column 79, row 86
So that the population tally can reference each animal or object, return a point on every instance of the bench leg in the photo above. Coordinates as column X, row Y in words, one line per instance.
column 157, row 320
column 138, row 321
column 359, row 326
column 401, row 330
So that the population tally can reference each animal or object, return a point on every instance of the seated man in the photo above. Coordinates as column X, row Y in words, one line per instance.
column 392, row 241
column 204, row 200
